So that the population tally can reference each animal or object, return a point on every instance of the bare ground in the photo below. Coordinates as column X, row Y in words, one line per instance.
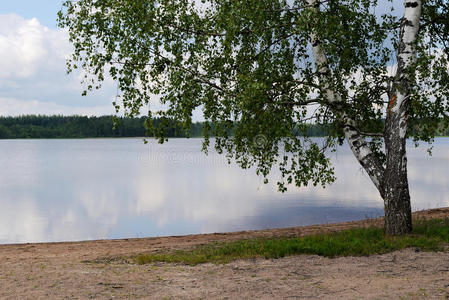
column 84, row 270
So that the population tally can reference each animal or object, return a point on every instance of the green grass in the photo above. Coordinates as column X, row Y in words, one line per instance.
column 428, row 235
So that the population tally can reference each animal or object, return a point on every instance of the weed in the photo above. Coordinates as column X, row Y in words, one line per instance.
column 428, row 235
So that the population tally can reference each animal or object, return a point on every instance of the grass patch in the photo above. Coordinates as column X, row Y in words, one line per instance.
column 428, row 235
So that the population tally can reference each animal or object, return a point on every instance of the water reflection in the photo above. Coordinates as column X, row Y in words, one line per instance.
column 55, row 190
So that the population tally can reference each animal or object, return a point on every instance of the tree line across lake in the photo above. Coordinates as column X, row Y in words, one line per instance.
column 40, row 126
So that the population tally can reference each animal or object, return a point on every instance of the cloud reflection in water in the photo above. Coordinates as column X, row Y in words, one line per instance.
column 58, row 190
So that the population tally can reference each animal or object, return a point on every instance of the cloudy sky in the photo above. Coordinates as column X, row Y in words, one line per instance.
column 33, row 77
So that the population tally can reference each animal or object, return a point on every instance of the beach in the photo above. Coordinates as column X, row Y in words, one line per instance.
column 105, row 269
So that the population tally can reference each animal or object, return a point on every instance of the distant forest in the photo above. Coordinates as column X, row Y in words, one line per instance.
column 39, row 126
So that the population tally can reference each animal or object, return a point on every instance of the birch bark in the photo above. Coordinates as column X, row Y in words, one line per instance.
column 391, row 180
column 355, row 139
column 395, row 189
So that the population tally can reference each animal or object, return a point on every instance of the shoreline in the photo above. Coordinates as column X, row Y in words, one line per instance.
column 144, row 137
column 101, row 269
column 198, row 239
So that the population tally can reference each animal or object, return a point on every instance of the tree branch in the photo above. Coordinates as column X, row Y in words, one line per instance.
column 300, row 103
column 356, row 140
column 297, row 7
column 363, row 132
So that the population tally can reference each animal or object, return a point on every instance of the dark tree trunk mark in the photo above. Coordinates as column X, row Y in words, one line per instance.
column 395, row 189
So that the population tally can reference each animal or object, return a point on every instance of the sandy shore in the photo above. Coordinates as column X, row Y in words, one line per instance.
column 83, row 270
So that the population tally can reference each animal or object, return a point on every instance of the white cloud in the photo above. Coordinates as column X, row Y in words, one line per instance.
column 22, row 46
column 33, row 77
column 15, row 107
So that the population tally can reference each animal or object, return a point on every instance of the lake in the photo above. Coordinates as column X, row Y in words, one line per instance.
column 69, row 190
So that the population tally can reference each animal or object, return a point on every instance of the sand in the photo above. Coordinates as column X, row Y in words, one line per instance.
column 100, row 270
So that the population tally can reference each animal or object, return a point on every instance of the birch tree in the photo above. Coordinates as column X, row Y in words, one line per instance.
column 261, row 70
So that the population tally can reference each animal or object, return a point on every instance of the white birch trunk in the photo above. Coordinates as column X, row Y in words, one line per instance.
column 391, row 181
column 356, row 140
column 395, row 190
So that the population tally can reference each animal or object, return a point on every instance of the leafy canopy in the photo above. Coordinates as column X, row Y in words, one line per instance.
column 248, row 65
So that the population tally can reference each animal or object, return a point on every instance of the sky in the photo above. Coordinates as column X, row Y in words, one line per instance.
column 33, row 52
column 33, row 77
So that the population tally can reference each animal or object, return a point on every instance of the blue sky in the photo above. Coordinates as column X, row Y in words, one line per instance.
column 44, row 10
column 33, row 51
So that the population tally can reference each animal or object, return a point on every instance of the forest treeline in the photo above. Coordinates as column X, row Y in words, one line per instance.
column 41, row 126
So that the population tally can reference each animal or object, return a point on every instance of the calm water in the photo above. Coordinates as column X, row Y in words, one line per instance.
column 65, row 190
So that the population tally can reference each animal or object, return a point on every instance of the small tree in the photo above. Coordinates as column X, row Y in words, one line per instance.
column 265, row 69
